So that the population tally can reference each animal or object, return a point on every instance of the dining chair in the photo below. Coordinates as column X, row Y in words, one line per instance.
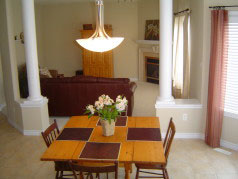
column 167, row 145
column 93, row 168
column 49, row 135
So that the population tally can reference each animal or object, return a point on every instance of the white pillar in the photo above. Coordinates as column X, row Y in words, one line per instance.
column 165, row 68
column 28, row 13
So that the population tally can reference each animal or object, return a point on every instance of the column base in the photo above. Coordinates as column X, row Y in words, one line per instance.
column 35, row 116
column 40, row 98
column 33, row 103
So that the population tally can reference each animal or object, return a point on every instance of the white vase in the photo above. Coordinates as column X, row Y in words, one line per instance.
column 107, row 129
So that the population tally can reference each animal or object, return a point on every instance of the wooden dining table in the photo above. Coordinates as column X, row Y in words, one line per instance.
column 136, row 140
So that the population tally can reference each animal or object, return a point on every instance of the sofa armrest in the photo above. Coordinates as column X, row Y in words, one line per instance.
column 133, row 86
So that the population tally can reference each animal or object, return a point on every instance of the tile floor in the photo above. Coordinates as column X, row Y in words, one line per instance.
column 189, row 159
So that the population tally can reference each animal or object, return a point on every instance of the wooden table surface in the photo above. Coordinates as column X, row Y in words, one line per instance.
column 130, row 152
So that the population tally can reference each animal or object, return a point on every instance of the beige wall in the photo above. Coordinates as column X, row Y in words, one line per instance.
column 200, row 57
column 58, row 26
column 180, row 5
column 124, row 20
column 17, row 29
column 192, row 125
column 39, row 36
column 147, row 10
column 196, row 48
column 8, row 57
column 2, row 96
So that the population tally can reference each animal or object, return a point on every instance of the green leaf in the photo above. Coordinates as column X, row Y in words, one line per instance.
column 90, row 115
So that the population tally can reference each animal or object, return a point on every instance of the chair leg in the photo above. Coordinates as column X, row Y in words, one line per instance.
column 137, row 173
column 107, row 175
column 57, row 175
column 81, row 175
column 166, row 173
column 91, row 176
column 61, row 174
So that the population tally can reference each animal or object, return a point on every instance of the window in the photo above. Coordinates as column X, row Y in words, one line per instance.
column 181, row 56
column 231, row 97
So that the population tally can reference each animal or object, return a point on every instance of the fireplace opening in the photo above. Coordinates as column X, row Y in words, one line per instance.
column 152, row 69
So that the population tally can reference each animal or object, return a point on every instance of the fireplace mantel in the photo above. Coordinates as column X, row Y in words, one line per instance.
column 146, row 46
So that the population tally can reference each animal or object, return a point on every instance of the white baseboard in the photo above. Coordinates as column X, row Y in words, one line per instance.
column 201, row 136
column 133, row 79
column 186, row 135
column 25, row 132
column 32, row 132
column 229, row 145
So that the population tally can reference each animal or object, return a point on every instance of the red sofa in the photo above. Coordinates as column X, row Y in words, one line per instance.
column 69, row 96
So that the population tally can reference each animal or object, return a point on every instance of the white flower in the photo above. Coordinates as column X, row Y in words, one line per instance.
column 124, row 100
column 100, row 99
column 90, row 108
column 99, row 105
column 108, row 101
column 119, row 98
column 120, row 106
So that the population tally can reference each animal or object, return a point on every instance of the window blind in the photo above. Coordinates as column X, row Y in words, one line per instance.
column 231, row 96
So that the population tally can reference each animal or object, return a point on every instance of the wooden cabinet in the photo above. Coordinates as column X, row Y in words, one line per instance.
column 96, row 63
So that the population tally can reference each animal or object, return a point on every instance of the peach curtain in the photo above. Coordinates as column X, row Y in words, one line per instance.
column 217, row 77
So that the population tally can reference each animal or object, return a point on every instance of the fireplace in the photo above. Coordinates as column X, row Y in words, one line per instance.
column 150, row 54
column 152, row 69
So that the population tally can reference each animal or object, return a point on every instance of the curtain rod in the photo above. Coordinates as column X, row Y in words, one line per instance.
column 186, row 10
column 220, row 7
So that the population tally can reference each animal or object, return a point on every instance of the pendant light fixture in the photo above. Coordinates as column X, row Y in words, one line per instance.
column 100, row 41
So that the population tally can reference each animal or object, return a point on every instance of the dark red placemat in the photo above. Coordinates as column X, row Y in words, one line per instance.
column 96, row 150
column 121, row 121
column 75, row 134
column 145, row 134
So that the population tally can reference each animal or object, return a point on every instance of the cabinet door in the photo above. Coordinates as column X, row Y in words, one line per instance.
column 96, row 63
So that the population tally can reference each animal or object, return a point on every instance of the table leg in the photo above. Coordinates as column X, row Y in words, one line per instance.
column 128, row 170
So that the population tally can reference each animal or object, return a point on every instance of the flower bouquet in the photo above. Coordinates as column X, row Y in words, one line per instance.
column 108, row 110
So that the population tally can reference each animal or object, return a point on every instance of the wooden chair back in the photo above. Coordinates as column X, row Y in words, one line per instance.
column 50, row 134
column 169, row 138
column 76, row 167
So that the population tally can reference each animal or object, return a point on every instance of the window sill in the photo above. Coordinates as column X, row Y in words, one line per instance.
column 181, row 104
column 231, row 115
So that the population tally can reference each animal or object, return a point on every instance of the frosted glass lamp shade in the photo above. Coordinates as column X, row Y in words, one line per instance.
column 100, row 41
column 100, row 44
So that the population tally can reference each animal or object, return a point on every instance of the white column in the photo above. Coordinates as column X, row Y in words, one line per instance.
column 165, row 68
column 28, row 13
